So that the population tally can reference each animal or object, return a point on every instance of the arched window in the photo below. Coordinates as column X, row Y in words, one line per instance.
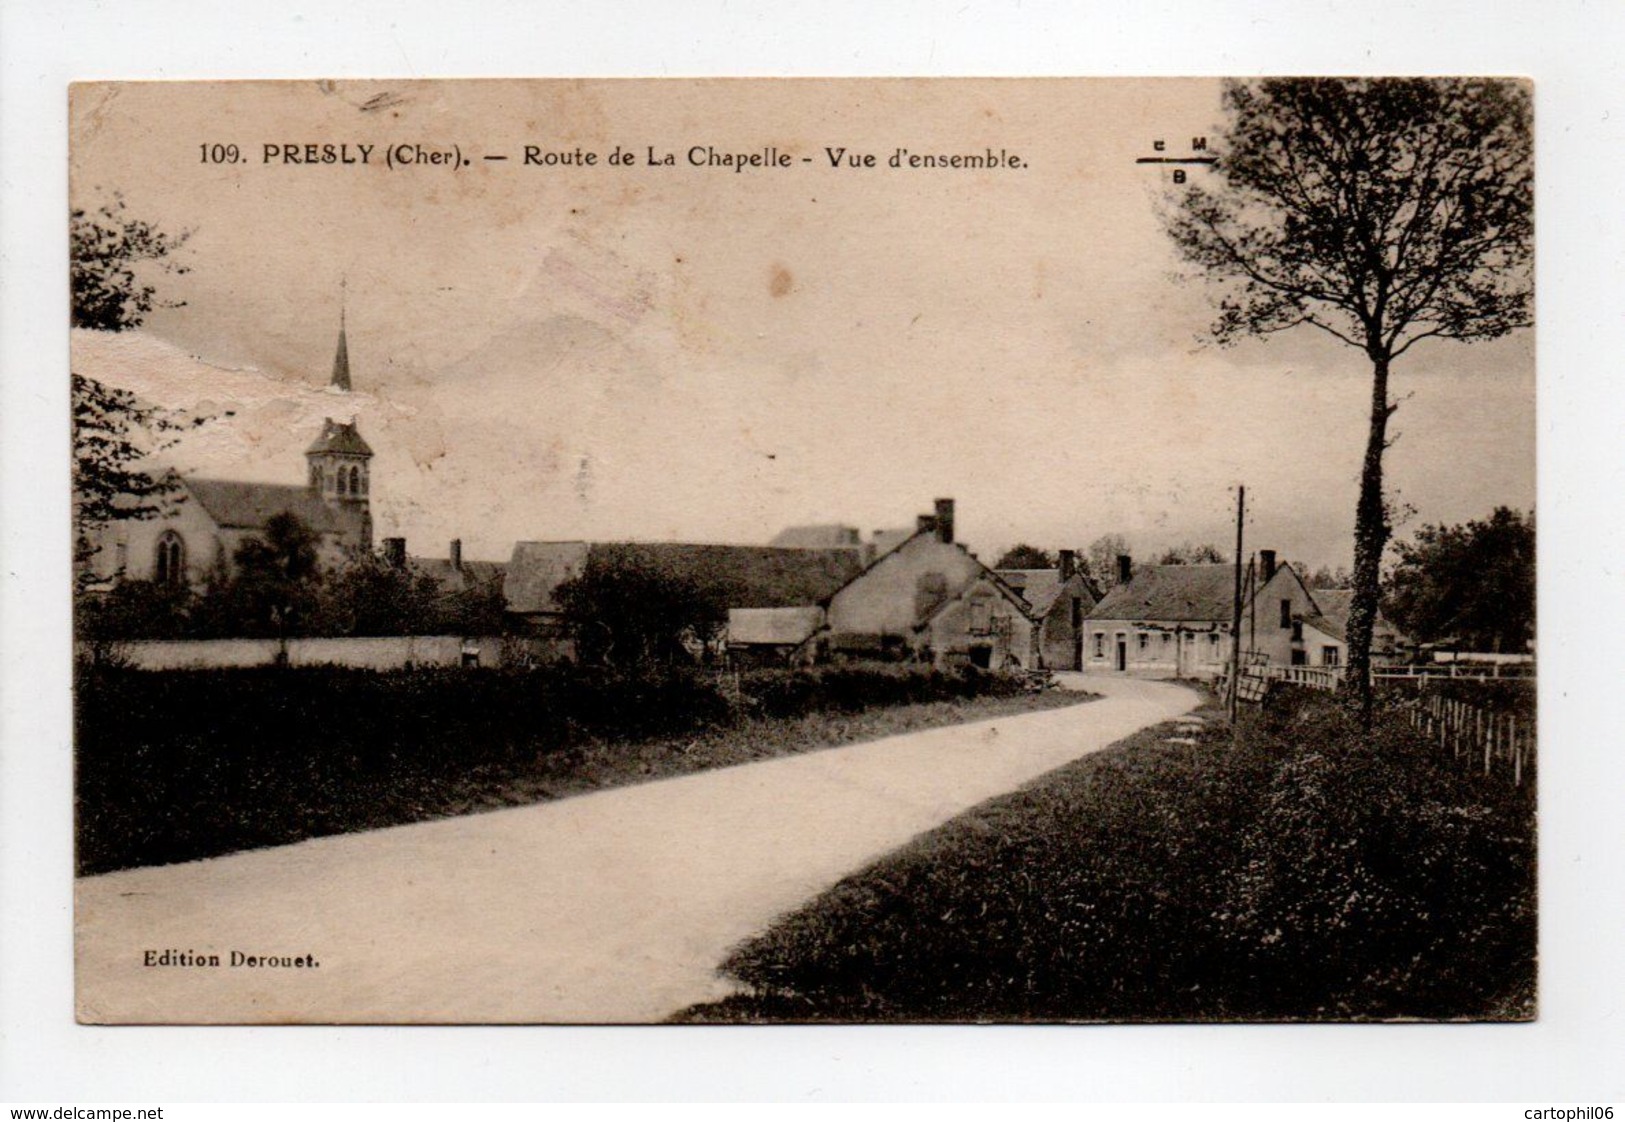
column 342, row 479
column 170, row 566
column 315, row 476
column 355, row 481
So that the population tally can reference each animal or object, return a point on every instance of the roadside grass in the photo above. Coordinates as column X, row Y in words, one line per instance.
column 1306, row 872
column 180, row 765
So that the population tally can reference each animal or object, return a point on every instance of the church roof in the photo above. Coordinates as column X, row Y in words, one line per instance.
column 341, row 363
column 249, row 506
column 339, row 437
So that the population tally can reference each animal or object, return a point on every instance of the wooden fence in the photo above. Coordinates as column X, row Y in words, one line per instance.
column 1477, row 736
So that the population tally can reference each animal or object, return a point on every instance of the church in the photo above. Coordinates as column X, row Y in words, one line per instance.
column 205, row 520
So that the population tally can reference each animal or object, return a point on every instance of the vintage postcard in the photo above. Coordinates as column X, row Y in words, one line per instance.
column 761, row 551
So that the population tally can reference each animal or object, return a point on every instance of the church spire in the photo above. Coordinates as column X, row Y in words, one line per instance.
column 341, row 360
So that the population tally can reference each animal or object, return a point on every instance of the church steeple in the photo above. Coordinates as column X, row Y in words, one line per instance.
column 341, row 360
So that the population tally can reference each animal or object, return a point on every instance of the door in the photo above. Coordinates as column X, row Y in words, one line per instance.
column 1122, row 653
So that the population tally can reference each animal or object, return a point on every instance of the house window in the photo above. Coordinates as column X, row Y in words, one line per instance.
column 1145, row 640
column 170, row 564
column 1286, row 613
column 981, row 617
column 1100, row 644
column 1330, row 655
column 1165, row 638
column 1213, row 647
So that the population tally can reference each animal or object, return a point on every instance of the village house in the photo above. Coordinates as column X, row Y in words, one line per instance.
column 1060, row 598
column 1291, row 624
column 1162, row 621
column 930, row 599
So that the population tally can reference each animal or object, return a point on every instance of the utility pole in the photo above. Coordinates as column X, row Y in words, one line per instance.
column 1235, row 616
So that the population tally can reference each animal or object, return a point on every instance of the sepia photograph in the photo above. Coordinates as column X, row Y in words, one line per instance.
column 789, row 551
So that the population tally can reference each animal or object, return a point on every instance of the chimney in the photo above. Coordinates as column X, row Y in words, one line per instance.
column 924, row 523
column 1069, row 564
column 395, row 552
column 1125, row 568
column 1266, row 564
column 456, row 555
column 945, row 520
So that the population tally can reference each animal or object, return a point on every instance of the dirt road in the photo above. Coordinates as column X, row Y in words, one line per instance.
column 610, row 907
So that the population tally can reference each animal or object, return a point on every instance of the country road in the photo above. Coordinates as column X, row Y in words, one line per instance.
column 610, row 907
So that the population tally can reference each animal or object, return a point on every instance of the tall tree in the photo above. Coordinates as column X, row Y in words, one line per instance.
column 111, row 255
column 275, row 587
column 1474, row 584
column 1381, row 212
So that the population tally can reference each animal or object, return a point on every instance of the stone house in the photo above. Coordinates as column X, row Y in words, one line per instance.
column 1294, row 625
column 1060, row 598
column 1162, row 621
column 928, row 598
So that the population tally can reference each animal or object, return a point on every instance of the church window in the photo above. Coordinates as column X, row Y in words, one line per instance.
column 315, row 476
column 342, row 481
column 363, row 478
column 355, row 481
column 170, row 566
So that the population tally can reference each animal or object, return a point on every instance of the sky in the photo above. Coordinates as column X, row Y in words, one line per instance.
column 699, row 353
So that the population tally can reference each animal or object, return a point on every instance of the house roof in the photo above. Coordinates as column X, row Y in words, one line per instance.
column 249, row 506
column 336, row 436
column 473, row 574
column 537, row 568
column 1172, row 592
column 1041, row 588
column 828, row 536
column 741, row 576
column 1333, row 618
column 773, row 626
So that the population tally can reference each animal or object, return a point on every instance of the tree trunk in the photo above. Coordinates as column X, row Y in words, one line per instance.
column 1371, row 532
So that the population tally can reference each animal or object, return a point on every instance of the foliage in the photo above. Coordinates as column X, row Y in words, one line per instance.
column 113, row 430
column 1308, row 870
column 109, row 252
column 177, row 765
column 1189, row 554
column 1380, row 212
column 274, row 589
column 626, row 612
column 1024, row 556
column 135, row 609
column 1102, row 559
column 1474, row 583
column 369, row 596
